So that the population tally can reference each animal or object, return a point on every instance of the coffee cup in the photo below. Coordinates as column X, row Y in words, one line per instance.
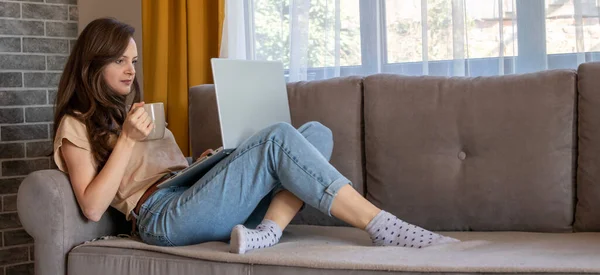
column 156, row 112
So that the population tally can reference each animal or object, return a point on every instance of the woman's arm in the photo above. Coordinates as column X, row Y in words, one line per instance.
column 95, row 192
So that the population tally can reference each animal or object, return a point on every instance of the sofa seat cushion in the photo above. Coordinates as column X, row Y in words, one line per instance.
column 330, row 250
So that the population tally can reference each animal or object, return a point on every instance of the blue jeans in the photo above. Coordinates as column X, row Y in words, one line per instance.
column 239, row 188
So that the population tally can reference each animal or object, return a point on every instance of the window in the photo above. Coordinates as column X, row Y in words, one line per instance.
column 435, row 37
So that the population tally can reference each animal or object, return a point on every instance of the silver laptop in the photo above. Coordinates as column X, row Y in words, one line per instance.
column 251, row 95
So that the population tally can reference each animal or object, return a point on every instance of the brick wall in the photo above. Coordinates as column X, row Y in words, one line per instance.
column 35, row 40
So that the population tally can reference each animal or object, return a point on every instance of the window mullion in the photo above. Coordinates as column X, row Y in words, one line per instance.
column 531, row 36
column 424, row 38
column 370, row 36
column 249, row 18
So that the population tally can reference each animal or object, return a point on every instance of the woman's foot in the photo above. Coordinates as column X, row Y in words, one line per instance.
column 387, row 230
column 243, row 239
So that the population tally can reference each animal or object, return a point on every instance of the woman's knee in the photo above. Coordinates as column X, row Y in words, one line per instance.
column 319, row 136
column 280, row 128
column 322, row 130
column 315, row 132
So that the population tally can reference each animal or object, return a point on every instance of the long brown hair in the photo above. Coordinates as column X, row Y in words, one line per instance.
column 82, row 91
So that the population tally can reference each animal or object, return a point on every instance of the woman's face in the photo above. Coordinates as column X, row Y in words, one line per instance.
column 119, row 74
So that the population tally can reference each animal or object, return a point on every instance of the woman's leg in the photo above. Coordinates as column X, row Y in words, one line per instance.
column 384, row 228
column 348, row 205
column 321, row 138
column 226, row 196
column 284, row 205
column 283, row 208
column 276, row 156
column 351, row 207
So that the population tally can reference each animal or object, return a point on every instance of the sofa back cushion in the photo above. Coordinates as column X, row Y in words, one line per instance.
column 486, row 153
column 335, row 103
column 587, row 212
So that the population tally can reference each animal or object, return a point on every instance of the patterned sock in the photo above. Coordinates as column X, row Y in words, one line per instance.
column 387, row 230
column 266, row 234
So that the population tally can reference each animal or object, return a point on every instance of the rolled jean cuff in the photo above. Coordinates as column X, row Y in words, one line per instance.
column 330, row 193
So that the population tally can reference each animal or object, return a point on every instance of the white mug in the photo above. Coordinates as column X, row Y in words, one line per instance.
column 156, row 111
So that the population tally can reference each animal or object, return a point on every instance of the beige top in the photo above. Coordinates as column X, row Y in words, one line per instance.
column 149, row 161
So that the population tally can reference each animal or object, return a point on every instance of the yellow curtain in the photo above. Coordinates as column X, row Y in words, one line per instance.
column 179, row 38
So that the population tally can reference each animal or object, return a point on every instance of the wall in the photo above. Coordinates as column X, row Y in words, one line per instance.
column 35, row 40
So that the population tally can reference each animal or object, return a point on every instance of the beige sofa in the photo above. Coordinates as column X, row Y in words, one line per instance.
column 509, row 164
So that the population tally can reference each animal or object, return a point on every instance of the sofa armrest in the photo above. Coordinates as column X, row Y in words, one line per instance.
column 49, row 212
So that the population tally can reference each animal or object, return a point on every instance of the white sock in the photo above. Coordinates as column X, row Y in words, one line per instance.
column 387, row 230
column 266, row 234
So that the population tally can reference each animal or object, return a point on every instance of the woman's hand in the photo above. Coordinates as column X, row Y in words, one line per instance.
column 206, row 154
column 138, row 124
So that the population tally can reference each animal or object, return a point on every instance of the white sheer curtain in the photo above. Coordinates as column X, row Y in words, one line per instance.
column 317, row 39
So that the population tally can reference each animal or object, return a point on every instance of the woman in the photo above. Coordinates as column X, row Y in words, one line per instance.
column 102, row 147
